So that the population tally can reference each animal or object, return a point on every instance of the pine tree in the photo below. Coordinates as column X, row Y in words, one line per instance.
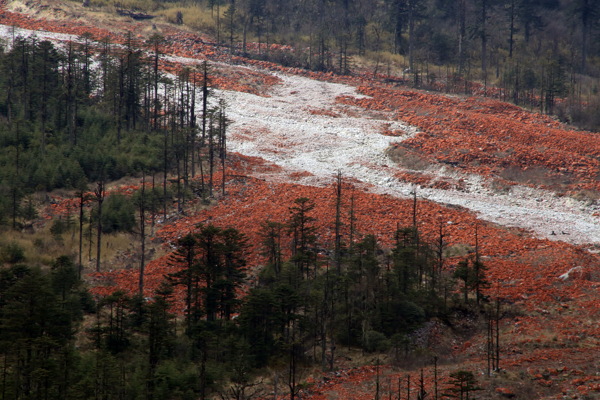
column 461, row 385
column 300, row 226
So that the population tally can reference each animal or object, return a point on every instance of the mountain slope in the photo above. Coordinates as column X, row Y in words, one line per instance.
column 289, row 136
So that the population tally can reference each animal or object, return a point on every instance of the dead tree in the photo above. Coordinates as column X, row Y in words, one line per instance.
column 99, row 196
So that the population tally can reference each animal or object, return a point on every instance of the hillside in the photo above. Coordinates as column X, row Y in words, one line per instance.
column 517, row 187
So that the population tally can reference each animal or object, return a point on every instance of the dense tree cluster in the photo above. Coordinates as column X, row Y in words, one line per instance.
column 56, row 341
column 535, row 51
column 492, row 31
column 96, row 112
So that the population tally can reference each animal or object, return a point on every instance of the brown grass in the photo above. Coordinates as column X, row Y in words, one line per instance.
column 41, row 247
column 408, row 159
column 536, row 175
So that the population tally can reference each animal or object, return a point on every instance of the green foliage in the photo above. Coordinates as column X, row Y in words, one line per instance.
column 303, row 234
column 261, row 323
column 118, row 214
column 12, row 253
column 398, row 316
column 213, row 257
column 38, row 314
column 58, row 227
column 461, row 385
column 136, row 348
column 55, row 132
column 375, row 341
column 177, row 380
column 472, row 274
column 28, row 211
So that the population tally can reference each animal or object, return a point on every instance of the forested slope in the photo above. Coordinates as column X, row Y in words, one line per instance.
column 534, row 53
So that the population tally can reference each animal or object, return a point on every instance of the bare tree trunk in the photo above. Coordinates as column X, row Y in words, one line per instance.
column 81, row 204
column 462, row 31
column 411, row 35
column 435, row 378
column 585, row 34
column 211, row 158
column 511, row 40
column 193, row 127
column 223, row 147
column 352, row 227
column 484, row 42
column 142, row 208
column 204, row 118
column 338, row 224
column 99, row 192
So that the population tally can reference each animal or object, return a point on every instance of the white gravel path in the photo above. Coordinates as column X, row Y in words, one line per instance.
column 282, row 130
column 7, row 33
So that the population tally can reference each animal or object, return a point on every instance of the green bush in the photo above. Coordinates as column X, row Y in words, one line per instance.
column 118, row 214
column 12, row 253
column 399, row 316
column 58, row 227
column 375, row 341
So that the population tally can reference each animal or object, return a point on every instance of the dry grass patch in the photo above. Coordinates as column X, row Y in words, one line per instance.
column 408, row 159
column 537, row 176
column 197, row 18
column 43, row 245
column 587, row 196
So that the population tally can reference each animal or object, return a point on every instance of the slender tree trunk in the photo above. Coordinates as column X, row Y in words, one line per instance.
column 223, row 147
column 156, row 78
column 477, row 267
column 585, row 34
column 497, row 323
column 90, row 238
column 377, row 380
column 192, row 127
column 5, row 373
column 15, row 203
column 70, row 109
column 512, row 28
column 165, row 170
column 211, row 158
column 120, row 95
column 352, row 227
column 81, row 204
column 440, row 253
column 142, row 208
column 332, row 326
column 338, row 224
column 435, row 378
column 490, row 342
column 99, row 199
column 414, row 210
column 204, row 118
column 203, row 372
column 484, row 41
column 165, row 156
column 411, row 35
column 462, row 31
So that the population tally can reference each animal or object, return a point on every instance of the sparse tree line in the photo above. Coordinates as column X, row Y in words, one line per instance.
column 199, row 337
column 532, row 52
column 92, row 112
